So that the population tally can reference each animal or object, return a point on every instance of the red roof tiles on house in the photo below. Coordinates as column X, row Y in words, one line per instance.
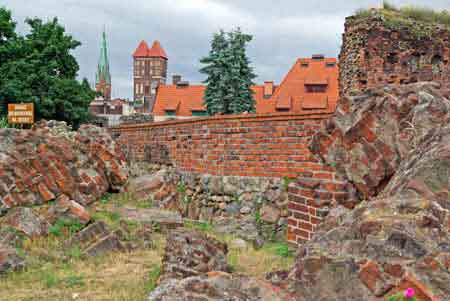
column 183, row 100
column 291, row 94
column 144, row 51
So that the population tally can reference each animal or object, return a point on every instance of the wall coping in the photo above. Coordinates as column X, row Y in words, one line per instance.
column 243, row 117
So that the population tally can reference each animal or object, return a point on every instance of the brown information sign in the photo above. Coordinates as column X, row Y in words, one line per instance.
column 20, row 113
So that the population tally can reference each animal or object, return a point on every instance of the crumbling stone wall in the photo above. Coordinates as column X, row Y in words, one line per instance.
column 376, row 51
column 253, row 208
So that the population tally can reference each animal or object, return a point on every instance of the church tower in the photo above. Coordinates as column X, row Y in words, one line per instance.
column 103, row 77
column 149, row 71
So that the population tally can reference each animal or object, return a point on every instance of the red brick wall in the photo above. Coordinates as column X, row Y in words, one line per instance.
column 273, row 145
column 311, row 196
column 264, row 146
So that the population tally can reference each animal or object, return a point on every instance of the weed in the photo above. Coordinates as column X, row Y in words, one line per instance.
column 181, row 187
column 280, row 249
column 145, row 204
column 110, row 218
column 199, row 225
column 258, row 219
column 65, row 225
column 50, row 279
column 74, row 252
column 404, row 15
column 285, row 183
column 73, row 281
column 187, row 199
column 153, row 277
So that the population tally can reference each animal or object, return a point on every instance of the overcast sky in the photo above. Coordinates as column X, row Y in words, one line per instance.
column 283, row 30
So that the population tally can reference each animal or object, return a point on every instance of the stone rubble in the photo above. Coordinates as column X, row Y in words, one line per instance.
column 41, row 164
column 195, row 268
column 97, row 239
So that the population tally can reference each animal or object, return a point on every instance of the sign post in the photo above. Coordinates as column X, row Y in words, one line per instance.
column 20, row 113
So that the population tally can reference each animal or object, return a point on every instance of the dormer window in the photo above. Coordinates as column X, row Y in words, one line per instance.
column 171, row 113
column 330, row 65
column 199, row 113
column 304, row 65
column 316, row 88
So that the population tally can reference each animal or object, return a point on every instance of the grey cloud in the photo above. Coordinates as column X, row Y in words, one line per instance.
column 283, row 30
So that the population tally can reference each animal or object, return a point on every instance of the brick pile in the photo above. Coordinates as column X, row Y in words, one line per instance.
column 41, row 164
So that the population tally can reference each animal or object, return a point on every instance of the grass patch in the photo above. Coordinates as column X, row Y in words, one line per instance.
column 65, row 226
column 112, row 219
column 117, row 276
column 407, row 16
column 199, row 225
column 74, row 252
column 153, row 277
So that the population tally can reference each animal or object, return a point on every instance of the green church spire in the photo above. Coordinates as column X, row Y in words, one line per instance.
column 103, row 64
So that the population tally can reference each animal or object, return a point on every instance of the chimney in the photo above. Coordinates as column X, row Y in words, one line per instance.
column 318, row 57
column 176, row 79
column 268, row 88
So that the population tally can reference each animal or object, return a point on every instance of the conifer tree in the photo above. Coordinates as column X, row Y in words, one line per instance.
column 229, row 74
column 215, row 64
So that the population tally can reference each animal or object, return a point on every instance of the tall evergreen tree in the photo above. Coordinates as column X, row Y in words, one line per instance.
column 41, row 69
column 229, row 74
column 215, row 64
column 241, row 74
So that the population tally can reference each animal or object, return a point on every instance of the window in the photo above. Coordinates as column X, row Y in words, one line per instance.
column 282, row 109
column 171, row 113
column 199, row 113
column 316, row 88
column 304, row 65
column 330, row 65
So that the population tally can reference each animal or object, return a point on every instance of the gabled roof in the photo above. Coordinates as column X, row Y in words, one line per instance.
column 141, row 50
column 307, row 71
column 290, row 94
column 182, row 99
column 144, row 51
column 157, row 51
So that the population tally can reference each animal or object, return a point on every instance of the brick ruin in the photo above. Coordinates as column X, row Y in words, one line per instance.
column 377, row 51
column 365, row 150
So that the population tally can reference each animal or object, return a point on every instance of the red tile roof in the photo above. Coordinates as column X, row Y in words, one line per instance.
column 157, row 50
column 144, row 51
column 141, row 50
column 289, row 95
column 181, row 99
